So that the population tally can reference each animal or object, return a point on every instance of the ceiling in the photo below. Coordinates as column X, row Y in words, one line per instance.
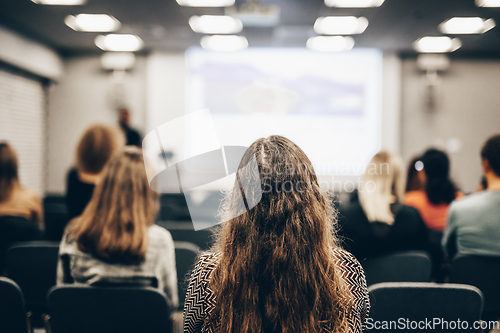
column 163, row 24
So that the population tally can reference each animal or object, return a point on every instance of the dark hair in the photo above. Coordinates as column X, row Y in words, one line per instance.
column 438, row 187
column 413, row 183
column 491, row 152
column 277, row 272
column 8, row 170
column 96, row 148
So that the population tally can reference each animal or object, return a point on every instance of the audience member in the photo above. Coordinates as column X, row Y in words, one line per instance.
column 95, row 148
column 474, row 222
column 115, row 241
column 277, row 267
column 16, row 200
column 379, row 224
column 132, row 137
column 413, row 180
column 439, row 190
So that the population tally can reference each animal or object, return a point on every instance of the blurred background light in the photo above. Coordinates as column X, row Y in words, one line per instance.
column 60, row 2
column 226, row 43
column 330, row 43
column 92, row 22
column 340, row 25
column 466, row 25
column 488, row 3
column 206, row 3
column 440, row 44
column 215, row 24
column 354, row 3
column 119, row 42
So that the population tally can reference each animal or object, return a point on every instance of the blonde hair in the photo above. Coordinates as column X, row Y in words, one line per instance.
column 114, row 224
column 95, row 148
column 8, row 170
column 382, row 185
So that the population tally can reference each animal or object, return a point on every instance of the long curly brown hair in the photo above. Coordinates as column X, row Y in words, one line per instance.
column 277, row 271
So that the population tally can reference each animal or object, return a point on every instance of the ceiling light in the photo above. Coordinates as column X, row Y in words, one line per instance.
column 224, row 43
column 466, row 25
column 437, row 44
column 92, row 22
column 206, row 3
column 354, row 3
column 115, row 42
column 488, row 3
column 330, row 43
column 340, row 25
column 60, row 2
column 215, row 24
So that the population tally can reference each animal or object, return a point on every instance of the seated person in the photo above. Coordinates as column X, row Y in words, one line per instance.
column 378, row 224
column 439, row 190
column 474, row 222
column 277, row 267
column 16, row 200
column 95, row 148
column 114, row 241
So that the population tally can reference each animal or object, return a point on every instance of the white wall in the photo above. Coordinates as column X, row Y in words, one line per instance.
column 468, row 111
column 86, row 95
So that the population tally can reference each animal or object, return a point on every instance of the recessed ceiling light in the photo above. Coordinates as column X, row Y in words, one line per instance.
column 119, row 42
column 340, row 25
column 354, row 3
column 330, row 43
column 437, row 44
column 224, row 43
column 215, row 24
column 206, row 3
column 488, row 3
column 466, row 25
column 60, row 2
column 92, row 22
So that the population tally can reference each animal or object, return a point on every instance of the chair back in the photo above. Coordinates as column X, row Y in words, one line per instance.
column 185, row 257
column 435, row 307
column 13, row 318
column 15, row 229
column 33, row 266
column 483, row 273
column 184, row 232
column 83, row 309
column 410, row 266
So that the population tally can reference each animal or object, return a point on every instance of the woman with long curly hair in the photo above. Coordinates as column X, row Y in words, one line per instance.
column 276, row 265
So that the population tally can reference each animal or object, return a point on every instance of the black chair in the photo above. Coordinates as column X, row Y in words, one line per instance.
column 435, row 307
column 13, row 316
column 173, row 207
column 185, row 257
column 483, row 273
column 410, row 266
column 84, row 309
column 184, row 232
column 55, row 217
column 33, row 266
column 15, row 229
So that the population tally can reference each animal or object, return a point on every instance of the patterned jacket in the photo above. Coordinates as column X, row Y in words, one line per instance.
column 200, row 300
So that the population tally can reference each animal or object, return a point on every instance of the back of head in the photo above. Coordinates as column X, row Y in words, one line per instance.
column 382, row 185
column 491, row 152
column 413, row 182
column 438, row 187
column 95, row 148
column 8, row 170
column 114, row 224
column 277, row 272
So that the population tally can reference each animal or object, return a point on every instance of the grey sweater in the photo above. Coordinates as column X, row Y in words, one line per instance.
column 157, row 270
column 474, row 225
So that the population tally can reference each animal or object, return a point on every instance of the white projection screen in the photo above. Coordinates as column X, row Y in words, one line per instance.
column 327, row 103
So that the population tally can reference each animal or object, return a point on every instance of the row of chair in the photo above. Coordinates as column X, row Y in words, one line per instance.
column 33, row 266
column 395, row 307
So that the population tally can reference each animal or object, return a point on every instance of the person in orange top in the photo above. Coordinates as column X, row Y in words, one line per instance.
column 16, row 200
column 433, row 202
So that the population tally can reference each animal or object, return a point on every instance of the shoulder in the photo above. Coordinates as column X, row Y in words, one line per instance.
column 347, row 263
column 160, row 237
column 471, row 201
column 29, row 196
